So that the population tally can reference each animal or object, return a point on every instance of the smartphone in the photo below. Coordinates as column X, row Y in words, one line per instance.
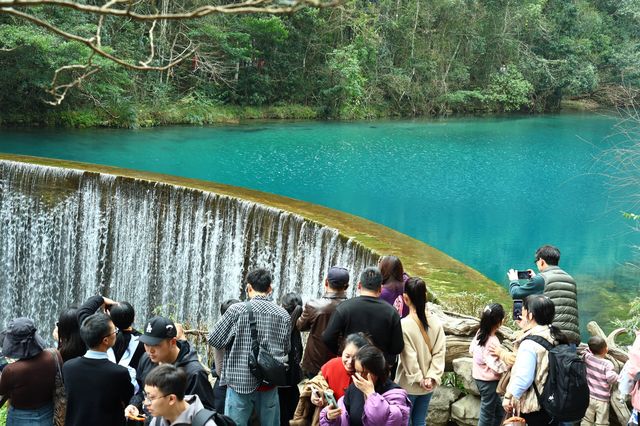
column 517, row 309
column 524, row 275
column 330, row 398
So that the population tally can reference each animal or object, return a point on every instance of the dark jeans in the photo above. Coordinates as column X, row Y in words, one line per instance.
column 288, row 396
column 491, row 412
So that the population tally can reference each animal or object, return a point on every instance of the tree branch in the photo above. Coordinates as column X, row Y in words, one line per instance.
column 91, row 43
column 248, row 6
column 59, row 92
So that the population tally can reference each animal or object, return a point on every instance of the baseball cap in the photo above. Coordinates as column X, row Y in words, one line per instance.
column 157, row 330
column 338, row 276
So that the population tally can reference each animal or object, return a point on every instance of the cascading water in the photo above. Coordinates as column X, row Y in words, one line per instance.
column 68, row 234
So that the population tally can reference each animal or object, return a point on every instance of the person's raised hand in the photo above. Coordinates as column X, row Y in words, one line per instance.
column 512, row 274
column 365, row 385
column 107, row 303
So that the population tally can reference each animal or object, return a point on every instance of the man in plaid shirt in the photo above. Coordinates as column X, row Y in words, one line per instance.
column 233, row 334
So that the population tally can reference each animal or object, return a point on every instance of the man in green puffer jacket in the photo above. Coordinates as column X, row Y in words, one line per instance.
column 554, row 283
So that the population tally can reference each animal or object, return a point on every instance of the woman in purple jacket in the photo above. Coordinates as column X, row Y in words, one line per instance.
column 393, row 280
column 372, row 399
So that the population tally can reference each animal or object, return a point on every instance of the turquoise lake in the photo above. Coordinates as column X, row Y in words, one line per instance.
column 486, row 191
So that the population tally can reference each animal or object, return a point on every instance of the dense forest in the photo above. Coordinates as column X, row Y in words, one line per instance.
column 362, row 59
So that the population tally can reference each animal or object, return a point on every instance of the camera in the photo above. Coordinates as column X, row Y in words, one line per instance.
column 524, row 275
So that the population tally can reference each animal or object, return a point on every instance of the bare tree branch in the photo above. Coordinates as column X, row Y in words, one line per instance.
column 59, row 91
column 248, row 6
column 91, row 43
column 204, row 63
column 151, row 46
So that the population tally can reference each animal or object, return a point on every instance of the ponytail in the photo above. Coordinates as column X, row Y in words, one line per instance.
column 416, row 290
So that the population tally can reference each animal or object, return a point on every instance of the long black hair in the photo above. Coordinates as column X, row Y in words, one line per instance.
column 391, row 269
column 374, row 361
column 416, row 291
column 70, row 343
column 543, row 311
column 492, row 315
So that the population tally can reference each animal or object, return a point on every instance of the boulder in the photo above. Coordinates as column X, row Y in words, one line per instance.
column 457, row 347
column 440, row 405
column 462, row 367
column 466, row 411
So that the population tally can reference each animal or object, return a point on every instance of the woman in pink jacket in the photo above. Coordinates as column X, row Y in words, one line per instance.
column 487, row 367
column 372, row 399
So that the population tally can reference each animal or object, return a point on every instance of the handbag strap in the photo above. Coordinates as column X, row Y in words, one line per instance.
column 56, row 361
column 254, row 331
column 425, row 336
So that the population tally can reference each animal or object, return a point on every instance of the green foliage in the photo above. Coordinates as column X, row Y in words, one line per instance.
column 632, row 323
column 464, row 101
column 467, row 303
column 362, row 60
column 346, row 95
column 509, row 91
column 451, row 379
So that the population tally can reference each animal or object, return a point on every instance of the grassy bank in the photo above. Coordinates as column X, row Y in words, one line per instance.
column 197, row 111
column 183, row 112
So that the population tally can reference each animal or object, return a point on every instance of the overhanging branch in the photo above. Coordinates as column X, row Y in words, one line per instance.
column 92, row 44
column 254, row 6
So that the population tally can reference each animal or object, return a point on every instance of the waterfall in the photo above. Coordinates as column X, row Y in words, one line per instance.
column 68, row 234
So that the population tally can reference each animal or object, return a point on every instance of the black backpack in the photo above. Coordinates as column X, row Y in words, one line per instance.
column 565, row 396
column 203, row 416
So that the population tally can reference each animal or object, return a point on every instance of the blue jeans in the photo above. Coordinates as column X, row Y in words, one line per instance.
column 419, row 408
column 491, row 411
column 239, row 406
column 42, row 416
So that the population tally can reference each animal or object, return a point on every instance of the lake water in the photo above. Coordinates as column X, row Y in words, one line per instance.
column 486, row 191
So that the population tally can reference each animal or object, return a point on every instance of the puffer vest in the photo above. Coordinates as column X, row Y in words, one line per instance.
column 561, row 288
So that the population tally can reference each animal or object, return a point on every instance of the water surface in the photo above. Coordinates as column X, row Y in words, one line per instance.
column 486, row 191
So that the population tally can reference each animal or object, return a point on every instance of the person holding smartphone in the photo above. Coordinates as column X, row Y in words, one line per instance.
column 372, row 399
column 554, row 283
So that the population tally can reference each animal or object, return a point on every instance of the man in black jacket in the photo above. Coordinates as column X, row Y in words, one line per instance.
column 368, row 314
column 97, row 389
column 162, row 347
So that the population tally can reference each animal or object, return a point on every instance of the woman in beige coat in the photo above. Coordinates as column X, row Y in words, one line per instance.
column 421, row 362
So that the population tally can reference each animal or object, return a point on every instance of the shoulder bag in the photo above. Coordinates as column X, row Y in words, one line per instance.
column 59, row 394
column 262, row 364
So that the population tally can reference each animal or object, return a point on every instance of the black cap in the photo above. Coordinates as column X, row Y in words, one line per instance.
column 338, row 276
column 157, row 330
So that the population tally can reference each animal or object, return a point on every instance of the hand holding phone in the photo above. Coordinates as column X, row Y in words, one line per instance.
column 524, row 275
column 517, row 309
column 331, row 399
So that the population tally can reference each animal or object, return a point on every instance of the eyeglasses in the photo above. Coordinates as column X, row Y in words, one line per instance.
column 111, row 334
column 149, row 399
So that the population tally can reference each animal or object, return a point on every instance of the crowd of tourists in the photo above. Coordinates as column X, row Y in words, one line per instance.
column 374, row 359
